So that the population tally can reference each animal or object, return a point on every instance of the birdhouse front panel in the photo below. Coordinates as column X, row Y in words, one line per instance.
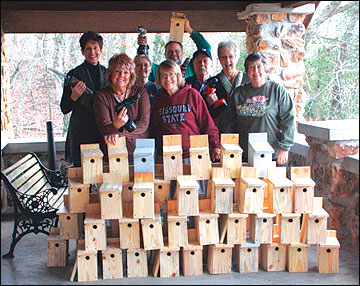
column 143, row 200
column 251, row 199
column 152, row 233
column 92, row 165
column 247, row 257
column 290, row 228
column 304, row 195
column 192, row 260
column 111, row 200
column 137, row 265
column 207, row 229
column 95, row 234
column 129, row 233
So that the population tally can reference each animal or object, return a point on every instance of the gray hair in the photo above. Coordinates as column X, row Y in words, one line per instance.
column 141, row 56
column 227, row 45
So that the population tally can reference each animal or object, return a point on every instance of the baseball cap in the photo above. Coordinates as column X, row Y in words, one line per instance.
column 202, row 51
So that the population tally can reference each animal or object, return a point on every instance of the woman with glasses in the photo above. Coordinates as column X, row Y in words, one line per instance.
column 180, row 109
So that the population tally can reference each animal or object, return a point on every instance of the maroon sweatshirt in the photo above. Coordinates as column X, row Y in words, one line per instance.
column 139, row 112
column 183, row 113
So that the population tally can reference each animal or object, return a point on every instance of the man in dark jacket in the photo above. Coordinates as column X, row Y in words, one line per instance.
column 91, row 75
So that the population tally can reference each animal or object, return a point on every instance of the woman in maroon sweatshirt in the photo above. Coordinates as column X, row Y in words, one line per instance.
column 180, row 109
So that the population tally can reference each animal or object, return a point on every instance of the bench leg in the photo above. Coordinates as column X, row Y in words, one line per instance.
column 26, row 225
column 14, row 241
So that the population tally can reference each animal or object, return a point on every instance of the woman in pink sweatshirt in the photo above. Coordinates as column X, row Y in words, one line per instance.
column 180, row 109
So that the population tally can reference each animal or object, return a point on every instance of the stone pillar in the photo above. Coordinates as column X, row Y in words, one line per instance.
column 279, row 37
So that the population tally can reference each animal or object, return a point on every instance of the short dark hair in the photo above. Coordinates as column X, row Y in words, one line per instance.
column 254, row 57
column 91, row 36
column 170, row 42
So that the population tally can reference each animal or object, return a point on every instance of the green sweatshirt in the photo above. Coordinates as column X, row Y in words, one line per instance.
column 264, row 109
column 200, row 43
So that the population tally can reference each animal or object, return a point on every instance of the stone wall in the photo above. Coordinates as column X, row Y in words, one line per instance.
column 279, row 37
column 338, row 186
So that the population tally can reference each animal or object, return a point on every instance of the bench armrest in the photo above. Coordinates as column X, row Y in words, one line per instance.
column 57, row 178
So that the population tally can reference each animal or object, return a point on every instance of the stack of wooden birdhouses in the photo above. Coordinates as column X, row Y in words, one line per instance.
column 122, row 210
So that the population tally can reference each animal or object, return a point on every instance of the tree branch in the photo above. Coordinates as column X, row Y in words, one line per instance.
column 338, row 40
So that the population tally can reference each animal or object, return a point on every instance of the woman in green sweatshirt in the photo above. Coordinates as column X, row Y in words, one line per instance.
column 261, row 106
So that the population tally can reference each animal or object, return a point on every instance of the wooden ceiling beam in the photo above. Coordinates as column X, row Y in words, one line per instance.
column 124, row 16
column 124, row 5
column 115, row 21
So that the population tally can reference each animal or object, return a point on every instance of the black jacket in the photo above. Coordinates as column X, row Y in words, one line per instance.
column 82, row 126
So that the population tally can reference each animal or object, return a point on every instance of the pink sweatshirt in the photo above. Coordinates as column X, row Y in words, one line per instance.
column 183, row 113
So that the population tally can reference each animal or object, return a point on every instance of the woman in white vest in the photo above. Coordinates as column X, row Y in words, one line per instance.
column 228, row 80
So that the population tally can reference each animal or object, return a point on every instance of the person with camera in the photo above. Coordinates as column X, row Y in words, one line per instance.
column 91, row 75
column 112, row 119
column 174, row 50
column 228, row 80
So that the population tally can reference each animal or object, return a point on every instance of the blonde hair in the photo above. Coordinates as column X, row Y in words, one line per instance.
column 120, row 60
column 170, row 65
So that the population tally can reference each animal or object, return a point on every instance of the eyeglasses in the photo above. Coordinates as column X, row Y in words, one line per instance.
column 165, row 75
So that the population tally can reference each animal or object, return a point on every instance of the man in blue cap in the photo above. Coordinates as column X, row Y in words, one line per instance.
column 203, row 64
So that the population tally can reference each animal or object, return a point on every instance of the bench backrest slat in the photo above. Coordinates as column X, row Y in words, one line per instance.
column 35, row 183
column 26, row 175
column 15, row 173
column 17, row 164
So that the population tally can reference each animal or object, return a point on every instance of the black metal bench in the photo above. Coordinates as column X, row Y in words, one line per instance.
column 37, row 194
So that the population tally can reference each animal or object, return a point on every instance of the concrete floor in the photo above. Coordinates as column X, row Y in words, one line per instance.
column 29, row 267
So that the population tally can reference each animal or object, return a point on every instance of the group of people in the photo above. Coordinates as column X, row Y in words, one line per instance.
column 172, row 102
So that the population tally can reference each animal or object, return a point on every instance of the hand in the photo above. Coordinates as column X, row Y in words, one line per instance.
column 77, row 90
column 282, row 157
column 212, row 98
column 121, row 119
column 216, row 154
column 111, row 138
column 187, row 27
column 142, row 41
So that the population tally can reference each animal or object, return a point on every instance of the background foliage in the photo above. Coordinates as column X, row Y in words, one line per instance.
column 332, row 63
